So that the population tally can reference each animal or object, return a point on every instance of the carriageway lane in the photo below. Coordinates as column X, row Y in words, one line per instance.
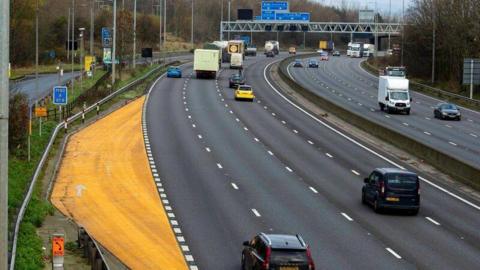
column 231, row 154
column 412, row 235
column 459, row 139
column 225, row 186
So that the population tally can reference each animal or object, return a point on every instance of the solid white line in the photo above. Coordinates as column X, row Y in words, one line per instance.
column 288, row 169
column 256, row 212
column 347, row 217
column 313, row 190
column 393, row 253
column 219, row 166
column 208, row 149
column 355, row 172
column 361, row 145
column 234, row 186
column 452, row 143
column 433, row 221
column 310, row 142
column 270, row 152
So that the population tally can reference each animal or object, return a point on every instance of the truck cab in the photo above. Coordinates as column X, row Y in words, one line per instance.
column 394, row 94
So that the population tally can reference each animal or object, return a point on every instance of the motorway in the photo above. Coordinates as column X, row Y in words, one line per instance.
column 344, row 82
column 233, row 169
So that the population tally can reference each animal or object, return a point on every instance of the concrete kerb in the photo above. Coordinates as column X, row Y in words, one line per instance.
column 46, row 152
column 461, row 171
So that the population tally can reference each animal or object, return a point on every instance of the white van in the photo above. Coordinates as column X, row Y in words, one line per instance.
column 236, row 61
column 393, row 94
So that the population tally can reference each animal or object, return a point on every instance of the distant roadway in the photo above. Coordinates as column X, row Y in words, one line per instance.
column 343, row 81
column 233, row 169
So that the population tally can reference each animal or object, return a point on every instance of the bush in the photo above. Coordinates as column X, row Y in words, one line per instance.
column 18, row 123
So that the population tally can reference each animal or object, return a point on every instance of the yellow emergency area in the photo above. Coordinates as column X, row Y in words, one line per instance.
column 105, row 184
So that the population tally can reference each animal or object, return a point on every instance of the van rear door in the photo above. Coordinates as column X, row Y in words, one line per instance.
column 402, row 188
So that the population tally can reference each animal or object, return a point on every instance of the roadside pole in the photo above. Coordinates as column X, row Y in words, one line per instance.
column 114, row 40
column 37, row 9
column 164, row 22
column 92, row 27
column 191, row 37
column 68, row 34
column 134, row 33
column 4, row 98
column 73, row 44
column 471, row 79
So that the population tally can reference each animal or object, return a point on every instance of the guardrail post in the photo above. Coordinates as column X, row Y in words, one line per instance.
column 83, row 116
column 65, row 126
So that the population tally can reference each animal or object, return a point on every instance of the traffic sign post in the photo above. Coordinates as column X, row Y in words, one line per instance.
column 106, row 37
column 471, row 73
column 60, row 95
column 58, row 251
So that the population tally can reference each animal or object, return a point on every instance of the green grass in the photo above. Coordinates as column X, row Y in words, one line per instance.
column 22, row 71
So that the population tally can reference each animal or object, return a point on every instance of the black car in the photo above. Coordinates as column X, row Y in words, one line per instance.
column 312, row 63
column 297, row 63
column 276, row 251
column 236, row 79
column 270, row 54
column 392, row 188
column 336, row 53
column 447, row 111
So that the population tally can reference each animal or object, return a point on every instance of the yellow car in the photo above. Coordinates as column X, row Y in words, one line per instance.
column 244, row 92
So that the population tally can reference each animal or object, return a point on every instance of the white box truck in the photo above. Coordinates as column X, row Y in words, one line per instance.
column 393, row 94
column 236, row 61
column 206, row 63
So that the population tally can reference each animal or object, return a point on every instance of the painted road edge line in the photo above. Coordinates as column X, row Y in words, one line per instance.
column 174, row 225
column 348, row 138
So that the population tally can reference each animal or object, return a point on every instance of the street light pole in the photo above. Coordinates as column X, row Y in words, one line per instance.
column 164, row 22
column 81, row 56
column 68, row 34
column 191, row 37
column 4, row 98
column 433, row 40
column 134, row 33
column 403, row 31
column 229, row 4
column 92, row 26
column 221, row 20
column 73, row 44
column 114, row 40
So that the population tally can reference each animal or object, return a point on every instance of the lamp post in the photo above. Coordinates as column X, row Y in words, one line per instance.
column 114, row 45
column 229, row 5
column 4, row 99
column 191, row 37
column 81, row 29
column 433, row 40
column 134, row 33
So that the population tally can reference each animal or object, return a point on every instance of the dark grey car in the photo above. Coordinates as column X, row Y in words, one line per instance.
column 447, row 111
column 275, row 252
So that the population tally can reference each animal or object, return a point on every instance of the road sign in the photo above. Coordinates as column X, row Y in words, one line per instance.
column 294, row 16
column 41, row 111
column 58, row 243
column 471, row 71
column 366, row 16
column 268, row 15
column 106, row 37
column 275, row 5
column 89, row 60
column 60, row 95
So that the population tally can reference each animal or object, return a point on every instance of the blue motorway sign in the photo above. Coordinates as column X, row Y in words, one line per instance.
column 60, row 95
column 296, row 16
column 106, row 37
column 268, row 15
column 258, row 18
column 275, row 5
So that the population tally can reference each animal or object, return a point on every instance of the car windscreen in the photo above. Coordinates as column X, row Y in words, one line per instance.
column 398, row 95
column 288, row 256
column 402, row 181
column 242, row 88
column 396, row 73
column 449, row 107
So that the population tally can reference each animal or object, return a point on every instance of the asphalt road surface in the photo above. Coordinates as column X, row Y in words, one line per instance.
column 344, row 82
column 234, row 169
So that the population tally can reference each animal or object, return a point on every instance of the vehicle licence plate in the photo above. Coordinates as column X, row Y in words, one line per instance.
column 392, row 199
column 288, row 267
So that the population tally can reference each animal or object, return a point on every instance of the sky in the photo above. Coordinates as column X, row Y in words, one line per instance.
column 382, row 5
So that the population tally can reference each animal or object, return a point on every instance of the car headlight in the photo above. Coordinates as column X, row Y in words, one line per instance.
column 444, row 113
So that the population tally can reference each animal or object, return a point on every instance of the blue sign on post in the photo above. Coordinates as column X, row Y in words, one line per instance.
column 106, row 37
column 275, row 5
column 60, row 95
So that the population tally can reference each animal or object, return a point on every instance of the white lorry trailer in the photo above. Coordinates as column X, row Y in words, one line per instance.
column 393, row 94
column 206, row 63
column 236, row 61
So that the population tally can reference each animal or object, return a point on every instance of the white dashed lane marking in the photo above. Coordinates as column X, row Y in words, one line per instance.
column 310, row 142
column 428, row 133
column 313, row 190
column 347, row 217
column 355, row 172
column 270, row 153
column 219, row 166
column 288, row 169
column 255, row 212
column 328, row 155
column 433, row 221
column 208, row 149
column 393, row 253
column 452, row 143
column 234, row 186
